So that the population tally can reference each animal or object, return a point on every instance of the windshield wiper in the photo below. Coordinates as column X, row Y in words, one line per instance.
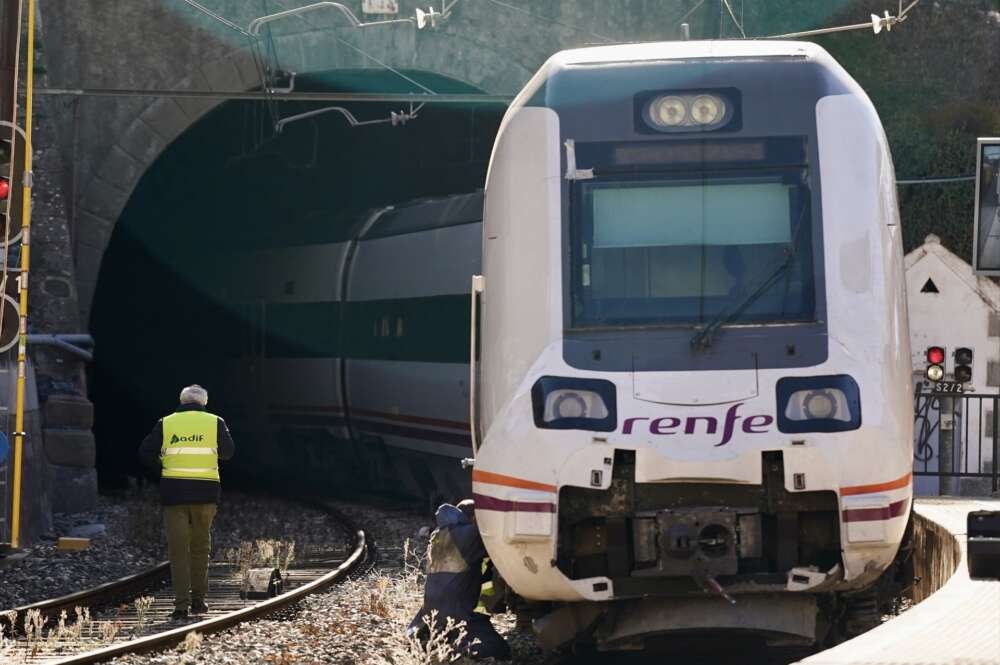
column 704, row 337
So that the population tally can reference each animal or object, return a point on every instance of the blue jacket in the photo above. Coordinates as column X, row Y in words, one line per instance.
column 454, row 570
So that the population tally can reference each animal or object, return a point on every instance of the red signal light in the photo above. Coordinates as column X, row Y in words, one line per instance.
column 935, row 355
column 4, row 189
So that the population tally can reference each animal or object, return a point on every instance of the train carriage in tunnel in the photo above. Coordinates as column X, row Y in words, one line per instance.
column 367, row 340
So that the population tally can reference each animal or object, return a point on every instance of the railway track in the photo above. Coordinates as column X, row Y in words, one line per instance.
column 130, row 615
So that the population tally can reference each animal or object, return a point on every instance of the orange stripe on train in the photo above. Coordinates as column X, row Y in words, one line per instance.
column 878, row 487
column 480, row 476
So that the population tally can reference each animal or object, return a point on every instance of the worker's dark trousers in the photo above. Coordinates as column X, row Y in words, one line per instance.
column 189, row 541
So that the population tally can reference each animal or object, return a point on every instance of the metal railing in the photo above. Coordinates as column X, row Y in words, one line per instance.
column 956, row 442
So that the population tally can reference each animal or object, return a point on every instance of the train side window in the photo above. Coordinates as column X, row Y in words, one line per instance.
column 399, row 326
column 385, row 326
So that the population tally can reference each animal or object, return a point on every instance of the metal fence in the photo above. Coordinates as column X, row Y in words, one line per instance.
column 956, row 444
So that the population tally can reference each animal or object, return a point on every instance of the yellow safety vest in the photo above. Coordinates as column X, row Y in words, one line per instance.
column 190, row 446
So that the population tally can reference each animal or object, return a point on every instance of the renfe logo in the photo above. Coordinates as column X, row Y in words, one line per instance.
column 187, row 439
column 665, row 426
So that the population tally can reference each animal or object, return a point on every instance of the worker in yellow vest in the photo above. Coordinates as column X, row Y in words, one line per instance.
column 185, row 447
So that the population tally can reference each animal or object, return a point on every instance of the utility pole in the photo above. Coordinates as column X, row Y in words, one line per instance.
column 22, row 285
column 10, row 42
column 946, row 445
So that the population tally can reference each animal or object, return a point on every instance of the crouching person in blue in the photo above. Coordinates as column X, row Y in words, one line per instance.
column 454, row 580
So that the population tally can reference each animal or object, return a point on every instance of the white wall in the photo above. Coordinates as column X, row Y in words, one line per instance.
column 957, row 316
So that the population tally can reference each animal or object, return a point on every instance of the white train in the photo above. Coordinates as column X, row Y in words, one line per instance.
column 695, row 406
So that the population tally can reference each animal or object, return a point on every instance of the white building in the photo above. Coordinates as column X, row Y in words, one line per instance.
column 952, row 307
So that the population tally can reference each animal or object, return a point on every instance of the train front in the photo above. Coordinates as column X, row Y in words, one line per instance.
column 694, row 401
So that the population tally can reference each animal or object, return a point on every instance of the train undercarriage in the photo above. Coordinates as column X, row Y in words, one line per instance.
column 695, row 558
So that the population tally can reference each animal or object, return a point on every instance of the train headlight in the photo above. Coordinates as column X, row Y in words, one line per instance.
column 686, row 111
column 818, row 404
column 668, row 111
column 569, row 403
column 707, row 109
column 574, row 404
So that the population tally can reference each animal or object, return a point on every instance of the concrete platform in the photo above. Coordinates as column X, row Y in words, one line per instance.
column 957, row 625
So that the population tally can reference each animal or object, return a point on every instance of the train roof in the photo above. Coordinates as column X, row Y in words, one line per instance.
column 678, row 50
column 579, row 76
column 428, row 214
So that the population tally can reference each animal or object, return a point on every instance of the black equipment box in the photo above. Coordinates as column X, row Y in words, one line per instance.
column 983, row 531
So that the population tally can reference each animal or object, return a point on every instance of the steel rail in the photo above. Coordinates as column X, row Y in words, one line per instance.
column 101, row 595
column 362, row 558
column 174, row 636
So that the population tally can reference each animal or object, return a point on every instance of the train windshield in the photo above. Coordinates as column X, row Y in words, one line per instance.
column 687, row 249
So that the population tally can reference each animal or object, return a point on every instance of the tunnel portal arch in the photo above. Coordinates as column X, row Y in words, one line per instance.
column 168, row 45
column 109, row 187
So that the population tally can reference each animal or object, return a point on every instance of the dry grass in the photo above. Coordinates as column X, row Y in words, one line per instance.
column 262, row 553
column 7, row 645
column 396, row 598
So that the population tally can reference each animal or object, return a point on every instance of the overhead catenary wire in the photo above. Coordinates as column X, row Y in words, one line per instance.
column 386, row 66
column 394, row 118
column 262, row 60
column 691, row 11
column 935, row 180
column 296, row 96
column 875, row 24
column 551, row 20
column 218, row 17
column 255, row 25
column 732, row 15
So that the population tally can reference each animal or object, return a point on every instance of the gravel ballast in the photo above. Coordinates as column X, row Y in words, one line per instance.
column 133, row 540
column 47, row 572
column 359, row 621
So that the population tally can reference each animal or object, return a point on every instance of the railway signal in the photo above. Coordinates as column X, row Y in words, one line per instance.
column 935, row 363
column 11, row 182
column 6, row 152
column 963, row 364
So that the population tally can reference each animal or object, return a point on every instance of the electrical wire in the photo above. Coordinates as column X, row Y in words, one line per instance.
column 551, row 20
column 887, row 23
column 217, row 17
column 922, row 181
column 732, row 15
column 691, row 11
column 387, row 66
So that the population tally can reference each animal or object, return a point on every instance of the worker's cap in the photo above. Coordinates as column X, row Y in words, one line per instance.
column 468, row 508
column 194, row 394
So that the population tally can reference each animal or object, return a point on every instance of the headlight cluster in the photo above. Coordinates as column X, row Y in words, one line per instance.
column 568, row 403
column 821, row 404
column 565, row 403
column 818, row 404
column 687, row 112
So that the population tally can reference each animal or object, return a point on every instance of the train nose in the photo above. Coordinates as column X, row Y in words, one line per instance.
column 690, row 388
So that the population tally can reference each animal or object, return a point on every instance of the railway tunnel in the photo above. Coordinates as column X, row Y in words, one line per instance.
column 116, row 131
column 164, row 314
